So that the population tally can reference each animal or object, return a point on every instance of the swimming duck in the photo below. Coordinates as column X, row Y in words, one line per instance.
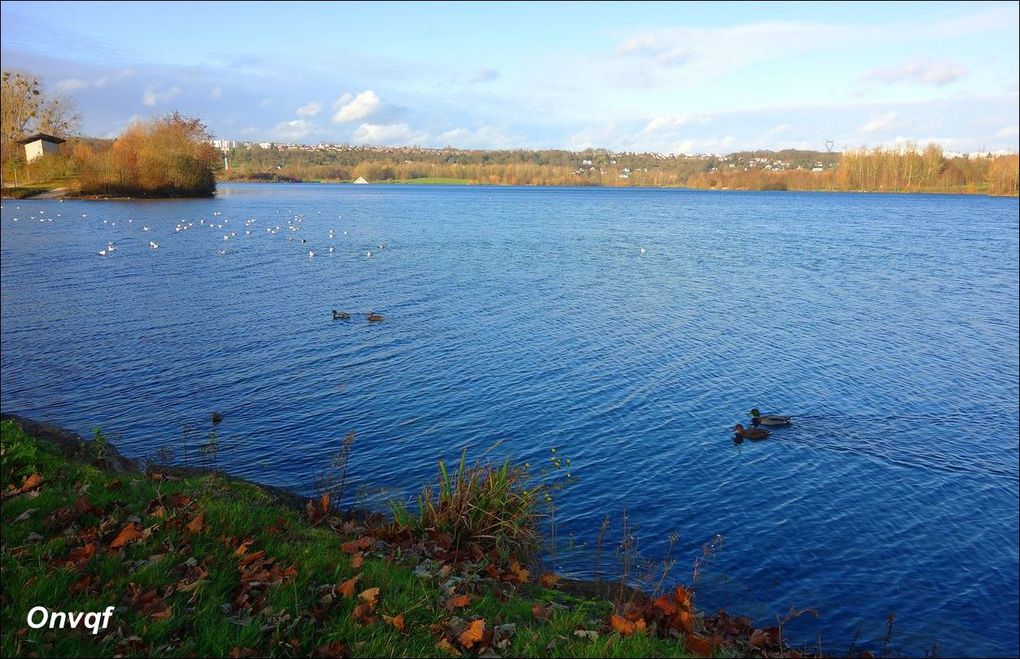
column 340, row 315
column 759, row 419
column 750, row 433
column 374, row 317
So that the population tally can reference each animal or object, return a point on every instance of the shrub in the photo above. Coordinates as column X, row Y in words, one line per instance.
column 487, row 506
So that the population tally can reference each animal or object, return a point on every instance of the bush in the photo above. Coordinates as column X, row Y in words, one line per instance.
column 486, row 506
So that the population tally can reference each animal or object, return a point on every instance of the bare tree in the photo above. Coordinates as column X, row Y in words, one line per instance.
column 25, row 108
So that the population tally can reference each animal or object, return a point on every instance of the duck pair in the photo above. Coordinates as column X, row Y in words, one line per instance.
column 759, row 419
column 343, row 315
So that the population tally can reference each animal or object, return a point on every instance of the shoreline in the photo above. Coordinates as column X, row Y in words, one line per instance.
column 578, row 617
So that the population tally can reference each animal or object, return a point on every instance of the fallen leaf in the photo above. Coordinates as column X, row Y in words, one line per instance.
column 663, row 604
column 364, row 614
column 622, row 625
column 334, row 650
column 446, row 647
column 32, row 482
column 457, row 602
column 682, row 597
column 586, row 633
column 130, row 532
column 346, row 589
column 369, row 596
column 179, row 500
column 699, row 645
column 548, row 580
column 197, row 523
column 355, row 546
column 397, row 622
column 518, row 573
column 357, row 560
column 242, row 548
column 473, row 634
column 540, row 612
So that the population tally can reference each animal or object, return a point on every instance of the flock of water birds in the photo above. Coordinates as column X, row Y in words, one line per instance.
column 292, row 227
column 756, row 432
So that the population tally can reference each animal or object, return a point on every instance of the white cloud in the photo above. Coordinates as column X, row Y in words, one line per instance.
column 483, row 137
column 937, row 73
column 293, row 131
column 670, row 124
column 75, row 84
column 71, row 85
column 361, row 106
column 152, row 96
column 881, row 123
column 707, row 145
column 387, row 134
column 1009, row 131
column 484, row 75
column 310, row 109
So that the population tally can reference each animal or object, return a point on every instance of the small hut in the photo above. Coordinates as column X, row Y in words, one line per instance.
column 360, row 180
column 39, row 145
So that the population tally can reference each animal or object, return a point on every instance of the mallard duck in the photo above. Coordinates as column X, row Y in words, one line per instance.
column 750, row 433
column 374, row 317
column 759, row 419
column 340, row 315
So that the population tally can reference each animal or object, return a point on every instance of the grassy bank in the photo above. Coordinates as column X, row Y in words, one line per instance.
column 28, row 190
column 199, row 564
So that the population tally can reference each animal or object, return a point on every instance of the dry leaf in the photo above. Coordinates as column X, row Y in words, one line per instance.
column 32, row 482
column 446, row 647
column 473, row 634
column 396, row 621
column 699, row 645
column 346, row 589
column 518, row 573
column 357, row 560
column 364, row 614
column 197, row 524
column 540, row 612
column 130, row 532
column 622, row 625
column 457, row 602
column 548, row 580
column 355, row 546
column 370, row 596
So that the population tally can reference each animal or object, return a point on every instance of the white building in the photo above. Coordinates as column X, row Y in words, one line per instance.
column 39, row 145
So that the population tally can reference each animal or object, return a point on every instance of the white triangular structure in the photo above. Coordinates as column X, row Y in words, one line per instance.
column 360, row 180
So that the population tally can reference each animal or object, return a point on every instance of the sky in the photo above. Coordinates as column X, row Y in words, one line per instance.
column 682, row 77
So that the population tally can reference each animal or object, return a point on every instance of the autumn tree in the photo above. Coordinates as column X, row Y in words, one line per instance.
column 26, row 108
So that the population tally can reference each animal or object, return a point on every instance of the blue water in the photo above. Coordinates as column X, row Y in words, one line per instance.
column 887, row 325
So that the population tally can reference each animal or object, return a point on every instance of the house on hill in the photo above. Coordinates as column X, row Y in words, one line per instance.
column 39, row 145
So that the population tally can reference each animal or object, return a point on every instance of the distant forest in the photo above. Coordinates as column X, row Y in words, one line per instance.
column 903, row 169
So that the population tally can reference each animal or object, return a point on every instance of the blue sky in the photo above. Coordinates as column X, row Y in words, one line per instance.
column 664, row 77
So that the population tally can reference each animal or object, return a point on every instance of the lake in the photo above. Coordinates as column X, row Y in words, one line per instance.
column 627, row 329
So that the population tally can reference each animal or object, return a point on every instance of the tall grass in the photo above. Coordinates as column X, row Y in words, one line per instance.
column 487, row 506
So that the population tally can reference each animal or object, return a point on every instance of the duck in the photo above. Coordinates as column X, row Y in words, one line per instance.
column 340, row 315
column 750, row 433
column 374, row 317
column 759, row 419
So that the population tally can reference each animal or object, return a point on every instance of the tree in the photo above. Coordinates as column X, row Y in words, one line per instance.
column 25, row 108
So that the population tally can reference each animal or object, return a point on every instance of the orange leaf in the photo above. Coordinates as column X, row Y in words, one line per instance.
column 370, row 596
column 355, row 546
column 242, row 548
column 518, row 573
column 474, row 633
column 541, row 612
column 663, row 604
column 396, row 621
column 622, row 625
column 683, row 620
column 346, row 589
column 457, row 602
column 251, row 558
column 32, row 482
column 159, row 512
column 446, row 647
column 196, row 524
column 548, row 580
column 126, row 535
column 363, row 614
column 699, row 645
column 682, row 597
column 357, row 560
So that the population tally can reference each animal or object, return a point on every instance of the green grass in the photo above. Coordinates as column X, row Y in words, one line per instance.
column 198, row 574
column 29, row 189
